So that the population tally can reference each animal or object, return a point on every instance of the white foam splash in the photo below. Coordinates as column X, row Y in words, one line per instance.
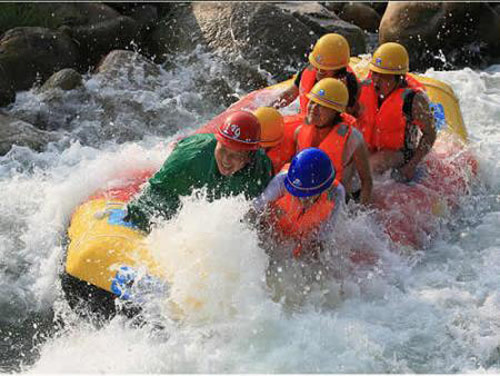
column 212, row 260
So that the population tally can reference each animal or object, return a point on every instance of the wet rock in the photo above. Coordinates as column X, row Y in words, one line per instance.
column 307, row 11
column 361, row 15
column 128, row 70
column 7, row 93
column 80, row 13
column 97, row 28
column 53, row 15
column 322, row 21
column 17, row 132
column 144, row 14
column 65, row 79
column 94, row 28
column 247, row 75
column 56, row 110
column 96, row 40
column 177, row 33
column 260, row 33
column 129, row 80
column 217, row 90
column 443, row 35
column 354, row 35
column 31, row 54
column 379, row 7
column 334, row 6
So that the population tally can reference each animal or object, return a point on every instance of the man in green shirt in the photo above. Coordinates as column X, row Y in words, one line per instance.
column 226, row 164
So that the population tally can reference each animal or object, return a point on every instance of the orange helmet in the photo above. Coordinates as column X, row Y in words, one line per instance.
column 271, row 126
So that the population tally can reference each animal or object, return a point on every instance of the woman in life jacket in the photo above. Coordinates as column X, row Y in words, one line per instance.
column 394, row 112
column 329, row 58
column 330, row 129
column 302, row 203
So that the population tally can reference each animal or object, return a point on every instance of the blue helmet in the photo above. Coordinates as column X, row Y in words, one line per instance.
column 310, row 173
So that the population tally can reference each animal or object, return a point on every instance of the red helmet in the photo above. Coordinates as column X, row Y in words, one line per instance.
column 239, row 131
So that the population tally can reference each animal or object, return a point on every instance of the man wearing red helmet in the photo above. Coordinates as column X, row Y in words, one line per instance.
column 226, row 164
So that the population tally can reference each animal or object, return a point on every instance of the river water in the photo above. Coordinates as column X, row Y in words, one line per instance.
column 432, row 311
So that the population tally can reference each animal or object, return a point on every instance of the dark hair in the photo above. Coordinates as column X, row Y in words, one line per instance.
column 337, row 118
column 341, row 72
column 401, row 79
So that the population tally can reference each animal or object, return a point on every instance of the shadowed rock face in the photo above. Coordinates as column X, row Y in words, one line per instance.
column 361, row 15
column 443, row 34
column 28, row 54
column 7, row 92
column 96, row 40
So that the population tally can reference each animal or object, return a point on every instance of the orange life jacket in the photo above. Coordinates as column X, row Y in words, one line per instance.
column 285, row 150
column 385, row 127
column 331, row 140
column 307, row 81
column 292, row 221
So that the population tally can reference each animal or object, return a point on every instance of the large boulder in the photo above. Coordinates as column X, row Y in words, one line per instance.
column 443, row 34
column 96, row 40
column 361, row 15
column 17, row 132
column 259, row 33
column 146, row 17
column 323, row 21
column 53, row 15
column 79, row 13
column 169, row 36
column 28, row 54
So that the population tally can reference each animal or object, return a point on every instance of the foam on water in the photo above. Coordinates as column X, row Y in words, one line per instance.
column 433, row 311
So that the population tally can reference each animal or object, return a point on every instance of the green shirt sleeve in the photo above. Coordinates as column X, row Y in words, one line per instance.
column 181, row 172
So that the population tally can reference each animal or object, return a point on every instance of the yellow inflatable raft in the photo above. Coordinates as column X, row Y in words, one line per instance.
column 108, row 252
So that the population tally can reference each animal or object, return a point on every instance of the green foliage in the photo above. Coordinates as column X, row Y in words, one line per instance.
column 26, row 14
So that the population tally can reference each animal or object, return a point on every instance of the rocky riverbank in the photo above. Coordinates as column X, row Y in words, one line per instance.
column 47, row 47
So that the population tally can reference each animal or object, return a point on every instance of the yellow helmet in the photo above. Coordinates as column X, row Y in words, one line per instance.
column 271, row 126
column 331, row 93
column 390, row 58
column 331, row 52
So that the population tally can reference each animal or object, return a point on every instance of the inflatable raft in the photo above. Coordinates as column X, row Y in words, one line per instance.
column 108, row 253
